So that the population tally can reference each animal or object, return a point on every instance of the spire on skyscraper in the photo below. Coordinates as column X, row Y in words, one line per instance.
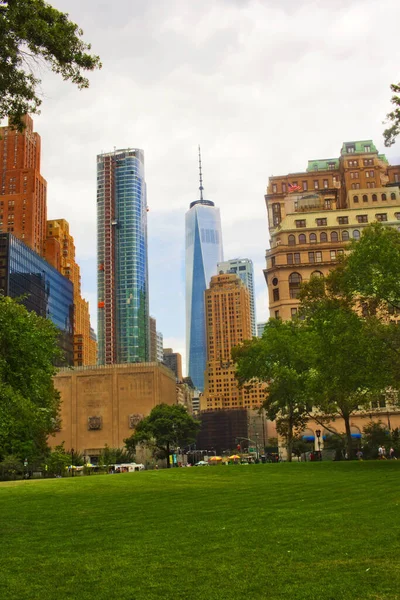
column 201, row 176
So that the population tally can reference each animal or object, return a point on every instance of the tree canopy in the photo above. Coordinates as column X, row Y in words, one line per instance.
column 29, row 402
column 166, row 427
column 393, row 118
column 33, row 33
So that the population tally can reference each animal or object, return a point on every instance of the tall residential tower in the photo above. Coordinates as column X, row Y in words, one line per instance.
column 244, row 268
column 203, row 253
column 122, row 283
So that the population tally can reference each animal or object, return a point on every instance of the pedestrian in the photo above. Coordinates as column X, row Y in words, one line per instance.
column 359, row 454
column 384, row 452
column 380, row 453
column 392, row 453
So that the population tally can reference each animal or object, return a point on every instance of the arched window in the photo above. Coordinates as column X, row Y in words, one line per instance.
column 384, row 197
column 345, row 236
column 334, row 236
column 313, row 238
column 302, row 238
column 374, row 197
column 355, row 199
column 294, row 284
column 393, row 196
column 291, row 240
column 365, row 198
column 317, row 274
column 323, row 237
column 356, row 234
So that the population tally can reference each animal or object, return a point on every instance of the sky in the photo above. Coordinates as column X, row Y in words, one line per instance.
column 263, row 86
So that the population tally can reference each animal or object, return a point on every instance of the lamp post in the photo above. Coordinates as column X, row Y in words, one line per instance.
column 318, row 434
column 72, row 462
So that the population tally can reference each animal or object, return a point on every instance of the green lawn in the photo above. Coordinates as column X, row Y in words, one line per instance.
column 298, row 531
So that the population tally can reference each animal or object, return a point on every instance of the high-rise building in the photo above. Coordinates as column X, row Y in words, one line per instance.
column 23, row 190
column 44, row 290
column 160, row 346
column 122, row 285
column 228, row 325
column 60, row 252
column 314, row 214
column 260, row 328
column 173, row 360
column 153, row 339
column 244, row 268
column 203, row 253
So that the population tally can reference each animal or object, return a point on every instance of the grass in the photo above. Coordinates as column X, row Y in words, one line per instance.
column 328, row 531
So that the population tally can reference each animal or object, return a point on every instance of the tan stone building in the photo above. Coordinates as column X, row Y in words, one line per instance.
column 228, row 323
column 102, row 405
column 312, row 215
column 60, row 252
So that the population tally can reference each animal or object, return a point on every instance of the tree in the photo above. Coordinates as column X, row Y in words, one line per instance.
column 393, row 117
column 370, row 271
column 58, row 461
column 10, row 467
column 347, row 352
column 166, row 427
column 375, row 434
column 29, row 402
column 283, row 359
column 32, row 33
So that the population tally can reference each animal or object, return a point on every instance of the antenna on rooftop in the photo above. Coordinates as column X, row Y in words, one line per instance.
column 201, row 176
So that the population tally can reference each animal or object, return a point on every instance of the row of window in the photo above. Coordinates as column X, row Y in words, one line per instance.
column 374, row 197
column 304, row 185
column 323, row 237
column 341, row 221
column 294, row 258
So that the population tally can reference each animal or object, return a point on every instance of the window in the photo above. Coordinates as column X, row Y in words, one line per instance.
column 362, row 218
column 355, row 186
column 274, row 282
column 383, row 196
column 345, row 236
column 381, row 217
column 277, row 314
column 275, row 294
column 296, row 257
column 291, row 240
column 289, row 259
column 397, row 215
column 368, row 161
column 370, row 184
column 355, row 199
column 284, row 188
column 333, row 254
column 331, row 166
column 316, row 184
column 343, row 220
column 321, row 222
column 294, row 284
column 334, row 236
column 354, row 175
column 327, row 203
column 323, row 237
column 273, row 261
column 305, row 186
column 365, row 198
column 302, row 239
column 393, row 196
column 276, row 213
column 374, row 198
column 356, row 234
column 274, row 188
column 311, row 257
column 367, row 148
column 396, row 177
column 293, row 312
column 317, row 274
column 350, row 149
column 325, row 183
column 313, row 238
column 318, row 257
column 300, row 223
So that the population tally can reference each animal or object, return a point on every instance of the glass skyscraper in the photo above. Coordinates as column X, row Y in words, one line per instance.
column 122, row 283
column 203, row 252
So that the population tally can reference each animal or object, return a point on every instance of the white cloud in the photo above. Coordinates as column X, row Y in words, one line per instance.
column 263, row 86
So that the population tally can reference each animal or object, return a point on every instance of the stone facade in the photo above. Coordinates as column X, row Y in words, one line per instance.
column 102, row 405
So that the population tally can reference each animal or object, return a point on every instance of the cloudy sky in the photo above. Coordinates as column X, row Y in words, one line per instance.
column 262, row 85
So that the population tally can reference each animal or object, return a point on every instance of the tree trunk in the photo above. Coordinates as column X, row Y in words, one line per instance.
column 289, row 440
column 349, row 441
column 167, row 452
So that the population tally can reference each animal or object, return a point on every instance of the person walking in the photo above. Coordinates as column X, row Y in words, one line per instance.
column 380, row 453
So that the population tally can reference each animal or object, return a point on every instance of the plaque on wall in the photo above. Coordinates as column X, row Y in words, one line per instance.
column 94, row 423
column 134, row 420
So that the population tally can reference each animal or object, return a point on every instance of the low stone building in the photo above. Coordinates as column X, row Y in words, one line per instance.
column 102, row 405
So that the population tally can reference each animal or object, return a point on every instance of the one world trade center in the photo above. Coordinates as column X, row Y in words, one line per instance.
column 203, row 252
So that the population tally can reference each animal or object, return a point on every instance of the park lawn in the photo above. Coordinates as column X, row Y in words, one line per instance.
column 327, row 531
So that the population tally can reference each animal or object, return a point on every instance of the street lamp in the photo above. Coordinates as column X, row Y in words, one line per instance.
column 318, row 434
column 72, row 462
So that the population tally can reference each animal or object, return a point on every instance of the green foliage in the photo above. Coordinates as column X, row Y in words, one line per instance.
column 113, row 456
column 376, row 434
column 29, row 403
column 10, row 467
column 300, row 446
column 166, row 427
column 283, row 358
column 393, row 118
column 32, row 34
column 58, row 461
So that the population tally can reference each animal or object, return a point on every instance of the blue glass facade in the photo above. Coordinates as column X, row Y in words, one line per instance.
column 123, row 299
column 203, row 252
column 48, row 293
